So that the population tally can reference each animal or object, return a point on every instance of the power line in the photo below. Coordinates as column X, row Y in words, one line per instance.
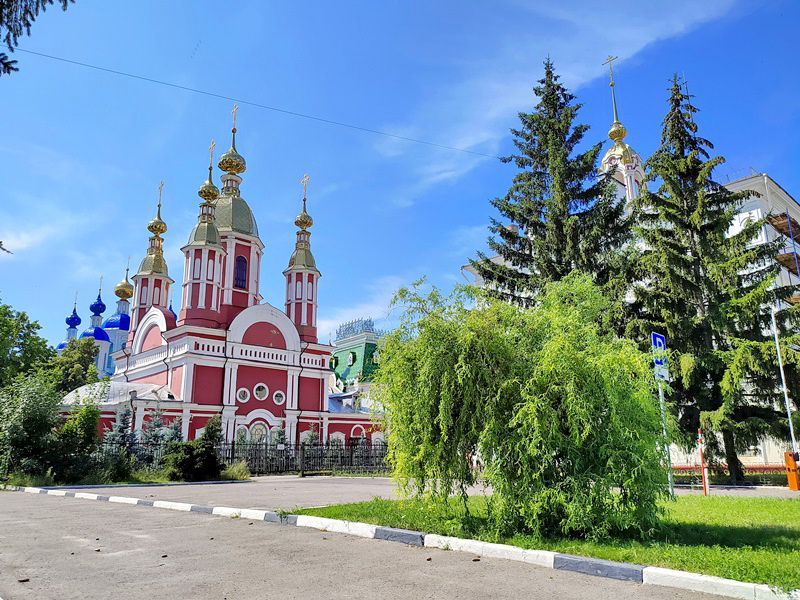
column 255, row 104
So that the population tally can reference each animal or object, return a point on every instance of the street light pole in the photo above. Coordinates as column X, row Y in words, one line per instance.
column 666, row 439
column 783, row 379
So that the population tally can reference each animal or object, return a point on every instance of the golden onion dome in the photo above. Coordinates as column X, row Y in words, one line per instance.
column 124, row 289
column 157, row 226
column 617, row 131
column 208, row 191
column 303, row 220
column 232, row 161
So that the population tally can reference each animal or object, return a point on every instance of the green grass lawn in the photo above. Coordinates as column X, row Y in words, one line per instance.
column 748, row 539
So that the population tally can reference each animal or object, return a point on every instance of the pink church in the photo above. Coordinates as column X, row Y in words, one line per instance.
column 260, row 367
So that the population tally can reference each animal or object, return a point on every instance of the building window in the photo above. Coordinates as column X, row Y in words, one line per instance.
column 260, row 391
column 210, row 270
column 279, row 398
column 258, row 433
column 243, row 395
column 310, row 287
column 240, row 274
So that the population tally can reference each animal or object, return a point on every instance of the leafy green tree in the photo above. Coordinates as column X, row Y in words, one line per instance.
column 16, row 18
column 76, row 441
column 21, row 348
column 75, row 366
column 709, row 293
column 566, row 215
column 29, row 417
column 562, row 413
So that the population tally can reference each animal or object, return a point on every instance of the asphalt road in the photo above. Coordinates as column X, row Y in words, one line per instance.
column 267, row 493
column 71, row 548
column 289, row 491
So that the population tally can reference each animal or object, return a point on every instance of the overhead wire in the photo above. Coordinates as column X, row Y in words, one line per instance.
column 255, row 104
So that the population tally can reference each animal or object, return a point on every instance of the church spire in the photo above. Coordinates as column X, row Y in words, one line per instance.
column 232, row 163
column 153, row 262
column 302, row 278
column 620, row 159
column 617, row 132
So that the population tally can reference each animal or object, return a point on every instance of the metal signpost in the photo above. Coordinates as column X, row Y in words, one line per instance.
column 659, row 343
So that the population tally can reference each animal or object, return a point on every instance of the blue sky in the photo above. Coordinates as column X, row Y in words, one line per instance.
column 85, row 150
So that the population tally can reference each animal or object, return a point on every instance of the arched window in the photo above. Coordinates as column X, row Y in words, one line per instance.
column 240, row 273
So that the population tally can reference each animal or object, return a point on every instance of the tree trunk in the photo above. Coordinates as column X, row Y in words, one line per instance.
column 735, row 469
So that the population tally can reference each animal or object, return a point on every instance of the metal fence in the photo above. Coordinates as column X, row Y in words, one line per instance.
column 358, row 457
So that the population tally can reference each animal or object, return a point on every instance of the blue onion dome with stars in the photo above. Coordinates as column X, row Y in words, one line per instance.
column 95, row 330
column 97, row 307
column 118, row 321
column 73, row 320
column 97, row 333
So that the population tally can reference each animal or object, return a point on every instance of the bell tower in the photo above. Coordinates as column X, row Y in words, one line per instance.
column 302, row 278
column 152, row 281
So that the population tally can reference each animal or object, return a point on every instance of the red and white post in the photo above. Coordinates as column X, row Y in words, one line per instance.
column 703, row 467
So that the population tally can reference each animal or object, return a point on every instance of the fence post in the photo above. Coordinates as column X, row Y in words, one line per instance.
column 302, row 459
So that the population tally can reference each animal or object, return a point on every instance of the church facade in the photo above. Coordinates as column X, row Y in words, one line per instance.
column 226, row 352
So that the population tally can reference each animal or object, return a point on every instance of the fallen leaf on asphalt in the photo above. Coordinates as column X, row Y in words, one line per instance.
column 97, row 549
column 96, row 539
column 163, row 556
column 428, row 559
column 250, row 523
column 211, row 538
column 26, row 580
column 476, row 559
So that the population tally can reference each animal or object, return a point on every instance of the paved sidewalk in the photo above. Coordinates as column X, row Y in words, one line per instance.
column 71, row 548
column 267, row 493
column 286, row 492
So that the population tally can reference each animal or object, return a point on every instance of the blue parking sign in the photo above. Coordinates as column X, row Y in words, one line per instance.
column 659, row 348
column 659, row 343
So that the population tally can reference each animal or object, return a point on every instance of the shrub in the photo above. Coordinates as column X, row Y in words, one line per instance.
column 196, row 460
column 237, row 470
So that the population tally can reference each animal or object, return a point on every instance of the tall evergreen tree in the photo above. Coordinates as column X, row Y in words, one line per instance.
column 566, row 215
column 709, row 292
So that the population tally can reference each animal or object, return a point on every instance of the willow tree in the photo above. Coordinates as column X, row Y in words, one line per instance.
column 708, row 287
column 562, row 414
column 563, row 214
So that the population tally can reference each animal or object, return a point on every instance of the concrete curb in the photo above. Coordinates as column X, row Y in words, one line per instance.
column 543, row 558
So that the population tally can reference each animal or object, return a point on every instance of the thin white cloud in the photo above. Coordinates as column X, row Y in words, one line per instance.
column 375, row 304
column 475, row 112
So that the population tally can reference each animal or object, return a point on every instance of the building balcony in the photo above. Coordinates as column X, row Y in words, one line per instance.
column 790, row 260
column 785, row 225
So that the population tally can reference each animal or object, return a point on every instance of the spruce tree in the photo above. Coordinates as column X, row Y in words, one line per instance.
column 122, row 431
column 709, row 292
column 566, row 215
column 154, row 432
column 16, row 18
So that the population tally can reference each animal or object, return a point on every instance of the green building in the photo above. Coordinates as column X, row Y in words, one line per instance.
column 354, row 362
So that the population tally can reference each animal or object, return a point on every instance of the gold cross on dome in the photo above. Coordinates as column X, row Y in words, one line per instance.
column 608, row 62
column 233, row 112
column 304, row 181
column 211, row 151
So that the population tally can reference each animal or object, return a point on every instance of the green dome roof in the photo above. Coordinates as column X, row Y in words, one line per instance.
column 204, row 233
column 234, row 214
